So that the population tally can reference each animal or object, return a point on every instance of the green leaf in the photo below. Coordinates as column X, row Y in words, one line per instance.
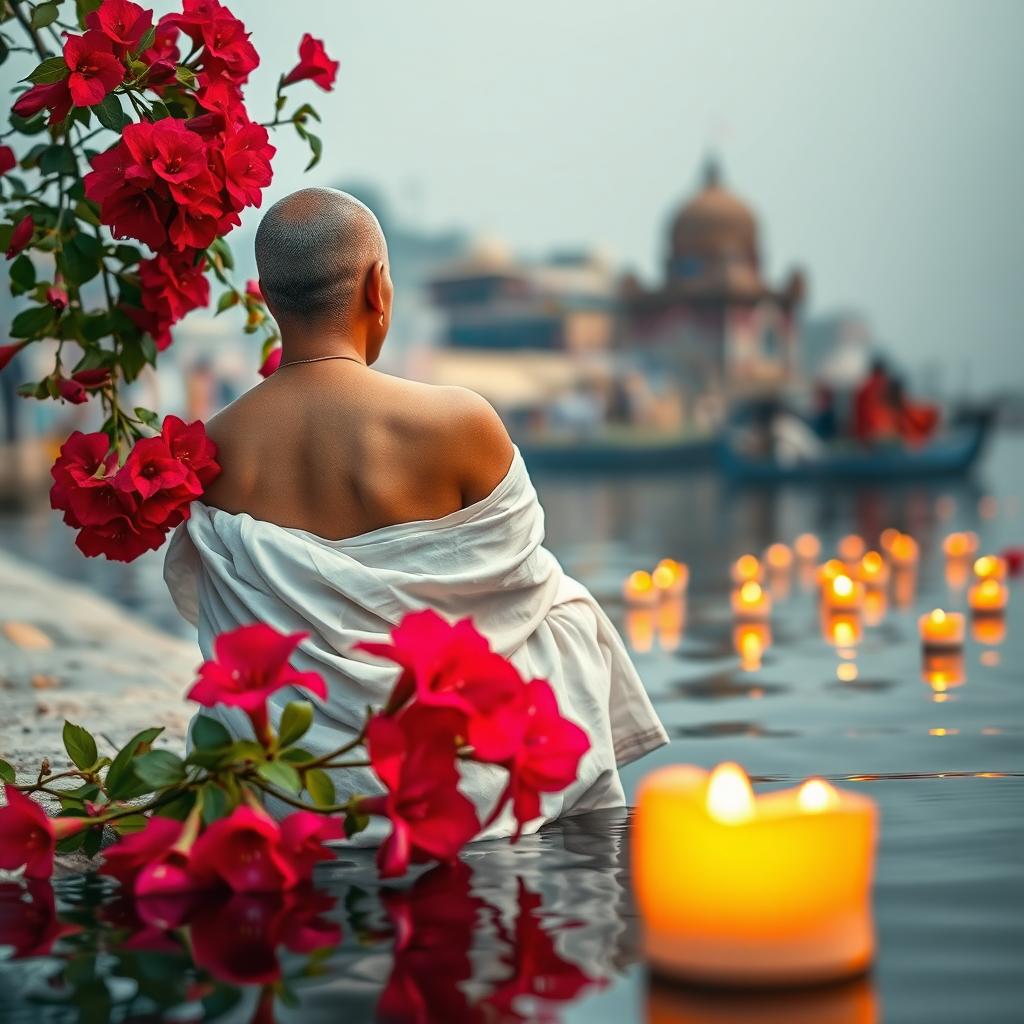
column 207, row 733
column 28, row 125
column 147, row 40
column 355, row 821
column 92, row 842
column 316, row 147
column 226, row 301
column 306, row 110
column 179, row 807
column 80, row 260
column 130, row 823
column 58, row 159
column 159, row 768
column 127, row 254
column 147, row 416
column 44, row 14
column 80, row 745
column 53, row 69
column 122, row 783
column 222, row 250
column 296, row 719
column 133, row 358
column 33, row 322
column 296, row 755
column 87, row 211
column 282, row 775
column 320, row 787
column 23, row 275
column 185, row 75
column 6, row 771
column 85, row 8
column 215, row 803
column 109, row 113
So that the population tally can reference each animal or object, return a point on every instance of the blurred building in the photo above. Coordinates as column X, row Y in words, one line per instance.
column 714, row 321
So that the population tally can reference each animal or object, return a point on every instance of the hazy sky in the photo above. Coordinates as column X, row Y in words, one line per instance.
column 880, row 141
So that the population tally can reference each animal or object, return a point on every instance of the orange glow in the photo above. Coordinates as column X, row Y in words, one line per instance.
column 841, row 629
column 671, row 615
column 957, row 573
column 639, row 588
column 843, row 592
column 846, row 671
column 990, row 595
column 904, row 586
column 779, row 557
column 960, row 545
column 990, row 567
column 751, row 640
column 640, row 629
column 744, row 889
column 876, row 604
column 746, row 567
column 943, row 671
column 807, row 547
column 988, row 629
column 943, row 732
column 942, row 629
column 730, row 799
column 851, row 548
column 817, row 795
column 988, row 507
column 903, row 550
column 990, row 659
column 945, row 506
column 874, row 571
column 751, row 601
column 830, row 570
column 886, row 538
column 671, row 577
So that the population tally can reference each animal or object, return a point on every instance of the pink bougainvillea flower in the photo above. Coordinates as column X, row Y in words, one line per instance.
column 244, row 850
column 249, row 664
column 313, row 64
column 95, row 69
column 546, row 754
column 21, row 236
column 8, row 352
column 252, row 289
column 28, row 919
column 8, row 161
column 122, row 22
column 28, row 836
column 272, row 362
column 53, row 96
column 430, row 818
column 303, row 835
column 57, row 297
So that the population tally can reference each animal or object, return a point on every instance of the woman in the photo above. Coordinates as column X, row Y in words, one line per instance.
column 349, row 498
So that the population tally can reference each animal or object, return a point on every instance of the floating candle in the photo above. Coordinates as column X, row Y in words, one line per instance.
column 903, row 550
column 779, row 557
column 751, row 601
column 807, row 547
column 671, row 578
column 851, row 548
column 746, row 567
column 873, row 570
column 990, row 567
column 745, row 890
column 830, row 570
column 960, row 545
column 942, row 630
column 843, row 592
column 638, row 590
column 988, row 596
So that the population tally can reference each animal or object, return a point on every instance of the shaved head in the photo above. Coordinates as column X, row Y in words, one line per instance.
column 314, row 250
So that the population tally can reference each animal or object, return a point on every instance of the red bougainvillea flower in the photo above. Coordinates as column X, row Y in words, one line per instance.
column 430, row 818
column 173, row 284
column 122, row 22
column 247, row 154
column 126, row 859
column 272, row 362
column 83, row 463
column 95, row 69
column 8, row 161
column 28, row 836
column 57, row 296
column 8, row 352
column 252, row 289
column 55, row 97
column 119, row 540
column 537, row 969
column 546, row 755
column 151, row 467
column 250, row 663
column 303, row 835
column 75, row 389
column 244, row 850
column 313, row 64
column 30, row 925
column 192, row 447
column 21, row 236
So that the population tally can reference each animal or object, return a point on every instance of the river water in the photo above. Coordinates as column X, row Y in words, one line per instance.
column 546, row 930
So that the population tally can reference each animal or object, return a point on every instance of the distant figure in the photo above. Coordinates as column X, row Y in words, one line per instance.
column 914, row 423
column 824, row 421
column 349, row 498
column 872, row 416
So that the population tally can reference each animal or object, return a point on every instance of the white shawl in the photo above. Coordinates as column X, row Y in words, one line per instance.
column 486, row 561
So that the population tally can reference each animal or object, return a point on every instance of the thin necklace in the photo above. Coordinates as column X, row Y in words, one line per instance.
column 320, row 359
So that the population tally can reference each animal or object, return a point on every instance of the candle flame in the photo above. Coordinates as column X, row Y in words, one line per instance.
column 989, row 567
column 730, row 799
column 938, row 616
column 842, row 586
column 817, row 795
column 640, row 581
column 747, row 567
column 750, row 592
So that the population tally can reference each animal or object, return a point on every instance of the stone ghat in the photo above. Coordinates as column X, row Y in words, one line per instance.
column 66, row 653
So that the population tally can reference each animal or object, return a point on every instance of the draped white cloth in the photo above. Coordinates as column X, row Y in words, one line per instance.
column 486, row 561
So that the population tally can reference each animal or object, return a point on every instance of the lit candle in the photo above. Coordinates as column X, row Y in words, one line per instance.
column 671, row 578
column 886, row 538
column 807, row 547
column 873, row 570
column 843, row 592
column 830, row 570
column 903, row 550
column 779, row 558
column 745, row 890
column 987, row 597
column 960, row 545
column 638, row 590
column 751, row 640
column 942, row 630
column 751, row 601
column 943, row 671
column 851, row 548
column 990, row 567
column 746, row 567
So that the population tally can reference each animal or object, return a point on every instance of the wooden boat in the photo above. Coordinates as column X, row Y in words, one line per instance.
column 625, row 452
column 951, row 452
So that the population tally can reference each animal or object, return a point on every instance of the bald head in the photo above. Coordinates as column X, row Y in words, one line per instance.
column 314, row 250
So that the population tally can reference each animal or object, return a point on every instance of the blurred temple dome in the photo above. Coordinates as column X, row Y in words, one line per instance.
column 714, row 230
